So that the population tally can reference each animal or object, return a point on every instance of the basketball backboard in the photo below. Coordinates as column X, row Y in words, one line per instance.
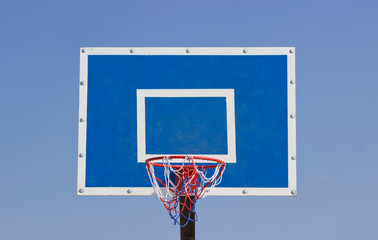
column 234, row 104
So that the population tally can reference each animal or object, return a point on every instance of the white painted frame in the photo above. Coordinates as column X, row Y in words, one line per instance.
column 230, row 157
column 291, row 190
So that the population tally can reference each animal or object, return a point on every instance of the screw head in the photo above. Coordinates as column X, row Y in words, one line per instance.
column 131, row 50
column 292, row 116
column 292, row 81
column 81, row 155
column 293, row 158
column 245, row 50
column 82, row 83
column 187, row 50
column 129, row 191
column 81, row 120
column 293, row 192
column 291, row 51
column 81, row 190
column 244, row 191
column 83, row 50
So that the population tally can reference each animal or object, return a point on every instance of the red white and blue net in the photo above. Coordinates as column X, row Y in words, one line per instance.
column 177, row 176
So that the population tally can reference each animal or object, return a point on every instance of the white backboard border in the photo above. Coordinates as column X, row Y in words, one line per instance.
column 291, row 190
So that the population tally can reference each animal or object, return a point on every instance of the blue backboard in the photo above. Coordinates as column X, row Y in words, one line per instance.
column 234, row 104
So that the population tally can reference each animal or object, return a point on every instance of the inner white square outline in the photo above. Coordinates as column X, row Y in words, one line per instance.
column 230, row 107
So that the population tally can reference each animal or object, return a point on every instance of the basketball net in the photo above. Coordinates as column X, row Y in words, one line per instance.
column 186, row 179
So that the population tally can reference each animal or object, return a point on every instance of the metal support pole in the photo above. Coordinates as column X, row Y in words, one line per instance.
column 189, row 231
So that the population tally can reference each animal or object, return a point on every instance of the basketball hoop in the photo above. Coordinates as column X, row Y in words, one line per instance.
column 186, row 178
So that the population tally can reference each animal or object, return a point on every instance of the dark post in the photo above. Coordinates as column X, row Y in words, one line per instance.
column 189, row 231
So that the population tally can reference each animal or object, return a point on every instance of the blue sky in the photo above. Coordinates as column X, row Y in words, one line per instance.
column 337, row 134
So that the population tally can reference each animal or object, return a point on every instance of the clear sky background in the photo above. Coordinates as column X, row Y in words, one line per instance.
column 337, row 116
